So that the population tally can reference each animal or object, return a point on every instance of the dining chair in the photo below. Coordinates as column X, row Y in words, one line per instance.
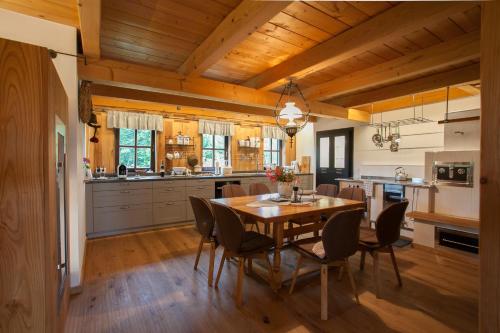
column 205, row 223
column 236, row 190
column 387, row 231
column 338, row 241
column 315, row 225
column 259, row 189
column 241, row 244
column 352, row 193
column 329, row 190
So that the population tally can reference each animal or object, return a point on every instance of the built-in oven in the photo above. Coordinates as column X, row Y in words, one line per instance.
column 393, row 193
column 452, row 173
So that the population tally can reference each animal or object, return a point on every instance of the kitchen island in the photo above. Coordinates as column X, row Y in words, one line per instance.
column 117, row 206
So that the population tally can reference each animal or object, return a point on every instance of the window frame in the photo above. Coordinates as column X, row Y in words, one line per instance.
column 213, row 149
column 135, row 146
column 271, row 150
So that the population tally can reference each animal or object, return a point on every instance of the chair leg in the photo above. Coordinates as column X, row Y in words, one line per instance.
column 376, row 272
column 341, row 273
column 257, row 226
column 295, row 274
column 239, row 283
column 211, row 264
column 249, row 266
column 200, row 247
column 290, row 228
column 221, row 265
column 395, row 264
column 362, row 261
column 324, row 292
column 351, row 279
column 270, row 271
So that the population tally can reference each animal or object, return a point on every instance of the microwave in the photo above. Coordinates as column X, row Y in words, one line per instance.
column 453, row 173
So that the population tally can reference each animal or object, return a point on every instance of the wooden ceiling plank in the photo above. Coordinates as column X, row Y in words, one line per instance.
column 138, row 77
column 293, row 24
column 235, row 28
column 456, row 51
column 342, row 11
column 89, row 12
column 392, row 23
column 450, row 78
column 371, row 8
column 287, row 36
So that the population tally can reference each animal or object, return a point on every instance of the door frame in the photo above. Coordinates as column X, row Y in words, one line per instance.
column 349, row 132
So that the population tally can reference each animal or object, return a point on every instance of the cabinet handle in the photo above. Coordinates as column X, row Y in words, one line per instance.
column 124, row 207
column 201, row 188
column 168, row 190
column 169, row 203
column 124, row 191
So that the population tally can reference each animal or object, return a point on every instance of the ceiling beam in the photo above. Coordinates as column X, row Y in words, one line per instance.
column 398, row 21
column 89, row 12
column 127, row 75
column 63, row 12
column 470, row 89
column 245, row 19
column 440, row 56
column 453, row 77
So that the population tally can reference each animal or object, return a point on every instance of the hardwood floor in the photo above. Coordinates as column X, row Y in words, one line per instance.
column 145, row 282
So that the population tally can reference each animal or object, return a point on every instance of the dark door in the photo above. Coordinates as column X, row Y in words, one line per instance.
column 333, row 155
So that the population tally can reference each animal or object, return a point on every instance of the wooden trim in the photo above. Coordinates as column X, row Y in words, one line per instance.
column 398, row 21
column 453, row 52
column 160, row 86
column 435, row 218
column 89, row 12
column 235, row 28
column 489, row 246
column 449, row 78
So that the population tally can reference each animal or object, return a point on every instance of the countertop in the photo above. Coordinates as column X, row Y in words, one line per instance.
column 388, row 181
column 169, row 177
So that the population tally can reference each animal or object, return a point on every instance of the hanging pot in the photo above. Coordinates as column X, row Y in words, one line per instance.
column 377, row 138
column 394, row 146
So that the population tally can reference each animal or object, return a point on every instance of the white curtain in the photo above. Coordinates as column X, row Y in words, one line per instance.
column 142, row 121
column 215, row 127
column 273, row 132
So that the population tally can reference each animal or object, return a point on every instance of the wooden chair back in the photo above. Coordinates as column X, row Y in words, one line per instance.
column 204, row 218
column 341, row 234
column 230, row 229
column 327, row 189
column 258, row 189
column 233, row 190
column 388, row 224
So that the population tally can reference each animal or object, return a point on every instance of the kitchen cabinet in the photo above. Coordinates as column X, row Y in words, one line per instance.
column 169, row 212
column 122, row 217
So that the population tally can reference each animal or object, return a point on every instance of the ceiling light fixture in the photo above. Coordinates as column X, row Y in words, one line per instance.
column 294, row 117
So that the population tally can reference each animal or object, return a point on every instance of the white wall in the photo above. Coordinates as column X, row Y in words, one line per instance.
column 416, row 139
column 61, row 38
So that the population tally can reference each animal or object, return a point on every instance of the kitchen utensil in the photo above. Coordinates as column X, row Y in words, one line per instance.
column 227, row 170
column 400, row 174
column 394, row 147
column 187, row 140
column 197, row 168
column 170, row 141
column 192, row 160
column 170, row 156
column 177, row 155
column 179, row 170
column 377, row 138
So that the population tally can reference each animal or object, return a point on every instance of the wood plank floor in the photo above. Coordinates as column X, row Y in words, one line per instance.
column 145, row 282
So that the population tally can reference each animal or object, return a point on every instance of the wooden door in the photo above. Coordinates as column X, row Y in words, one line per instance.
column 333, row 155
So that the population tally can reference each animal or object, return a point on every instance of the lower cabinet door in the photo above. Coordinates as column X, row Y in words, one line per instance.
column 169, row 212
column 122, row 217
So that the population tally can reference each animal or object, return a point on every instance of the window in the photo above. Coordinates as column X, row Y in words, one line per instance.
column 215, row 148
column 136, row 148
column 272, row 151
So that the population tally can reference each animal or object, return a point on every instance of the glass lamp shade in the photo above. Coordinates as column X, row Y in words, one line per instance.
column 290, row 112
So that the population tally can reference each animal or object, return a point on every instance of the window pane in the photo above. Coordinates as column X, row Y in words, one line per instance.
column 267, row 158
column 127, row 156
column 324, row 152
column 219, row 142
column 208, row 158
column 267, row 144
column 219, row 156
column 143, row 158
column 127, row 137
column 143, row 137
column 275, row 157
column 208, row 141
column 275, row 144
column 339, row 144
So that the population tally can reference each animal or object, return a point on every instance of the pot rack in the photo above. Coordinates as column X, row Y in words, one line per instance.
column 416, row 119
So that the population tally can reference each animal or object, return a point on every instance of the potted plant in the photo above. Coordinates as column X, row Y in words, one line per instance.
column 285, row 179
column 88, row 171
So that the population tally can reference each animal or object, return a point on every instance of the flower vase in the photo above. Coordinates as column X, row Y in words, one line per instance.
column 285, row 189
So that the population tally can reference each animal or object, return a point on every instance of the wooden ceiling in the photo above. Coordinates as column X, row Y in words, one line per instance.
column 340, row 52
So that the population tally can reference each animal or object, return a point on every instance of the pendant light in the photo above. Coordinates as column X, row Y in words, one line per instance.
column 294, row 117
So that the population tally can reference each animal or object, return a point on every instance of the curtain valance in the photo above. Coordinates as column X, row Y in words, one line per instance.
column 273, row 132
column 215, row 127
column 142, row 121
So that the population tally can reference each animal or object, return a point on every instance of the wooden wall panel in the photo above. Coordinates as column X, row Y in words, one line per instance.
column 489, row 298
column 103, row 153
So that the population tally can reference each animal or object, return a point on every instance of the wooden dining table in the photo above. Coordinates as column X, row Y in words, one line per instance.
column 279, row 215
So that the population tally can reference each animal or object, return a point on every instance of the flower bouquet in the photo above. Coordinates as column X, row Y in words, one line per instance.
column 285, row 179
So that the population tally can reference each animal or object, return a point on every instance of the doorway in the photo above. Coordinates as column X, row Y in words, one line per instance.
column 334, row 155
